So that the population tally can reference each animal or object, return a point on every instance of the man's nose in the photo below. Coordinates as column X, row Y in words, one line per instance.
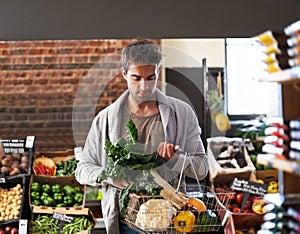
column 144, row 84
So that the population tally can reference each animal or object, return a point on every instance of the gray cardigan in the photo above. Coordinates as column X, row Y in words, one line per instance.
column 180, row 127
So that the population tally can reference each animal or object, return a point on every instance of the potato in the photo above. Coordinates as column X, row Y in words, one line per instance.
column 24, row 167
column 24, row 159
column 5, row 170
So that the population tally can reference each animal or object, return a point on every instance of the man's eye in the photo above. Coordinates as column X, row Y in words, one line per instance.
column 152, row 77
column 135, row 78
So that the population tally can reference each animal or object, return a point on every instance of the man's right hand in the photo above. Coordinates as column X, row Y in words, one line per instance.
column 120, row 183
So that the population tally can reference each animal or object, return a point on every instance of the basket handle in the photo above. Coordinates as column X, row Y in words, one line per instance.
column 186, row 155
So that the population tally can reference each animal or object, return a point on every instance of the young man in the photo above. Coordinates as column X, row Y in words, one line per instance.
column 164, row 125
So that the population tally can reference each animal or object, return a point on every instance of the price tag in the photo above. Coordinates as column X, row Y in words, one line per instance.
column 248, row 187
column 2, row 179
column 63, row 217
column 23, row 226
column 29, row 142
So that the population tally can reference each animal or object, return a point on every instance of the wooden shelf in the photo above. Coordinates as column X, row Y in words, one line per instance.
column 290, row 166
column 291, row 75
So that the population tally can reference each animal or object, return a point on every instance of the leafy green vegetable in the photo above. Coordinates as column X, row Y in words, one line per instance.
column 123, row 160
column 132, row 132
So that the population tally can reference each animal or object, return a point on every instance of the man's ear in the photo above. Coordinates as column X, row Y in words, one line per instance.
column 123, row 72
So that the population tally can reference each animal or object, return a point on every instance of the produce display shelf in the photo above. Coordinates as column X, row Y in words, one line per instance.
column 291, row 166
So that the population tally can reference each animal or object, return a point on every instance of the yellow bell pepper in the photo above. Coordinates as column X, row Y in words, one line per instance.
column 185, row 221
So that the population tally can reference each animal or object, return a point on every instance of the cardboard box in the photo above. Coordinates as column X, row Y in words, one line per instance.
column 245, row 221
column 54, row 158
column 216, row 169
column 70, row 212
column 267, row 175
column 61, row 180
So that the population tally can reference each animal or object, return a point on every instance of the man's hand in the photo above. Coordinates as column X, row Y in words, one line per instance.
column 120, row 183
column 166, row 150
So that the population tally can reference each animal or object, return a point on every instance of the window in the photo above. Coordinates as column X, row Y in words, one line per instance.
column 245, row 95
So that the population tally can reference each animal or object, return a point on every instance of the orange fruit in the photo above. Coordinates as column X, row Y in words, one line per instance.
column 196, row 204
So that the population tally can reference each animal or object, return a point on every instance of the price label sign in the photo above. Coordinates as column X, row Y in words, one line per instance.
column 2, row 179
column 248, row 187
column 63, row 218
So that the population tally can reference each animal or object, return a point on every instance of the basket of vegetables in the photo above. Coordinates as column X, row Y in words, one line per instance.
column 148, row 205
column 198, row 211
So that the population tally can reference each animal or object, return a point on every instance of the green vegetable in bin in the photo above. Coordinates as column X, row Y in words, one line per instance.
column 66, row 168
column 78, row 197
column 68, row 190
column 61, row 205
column 35, row 195
column 36, row 187
column 56, row 188
column 46, row 188
column 58, row 197
column 77, row 189
column 36, row 203
column 68, row 200
column 49, row 201
column 44, row 196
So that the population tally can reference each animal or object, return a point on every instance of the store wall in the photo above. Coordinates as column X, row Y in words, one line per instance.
column 53, row 89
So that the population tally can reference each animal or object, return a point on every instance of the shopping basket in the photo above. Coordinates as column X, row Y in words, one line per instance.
column 157, row 214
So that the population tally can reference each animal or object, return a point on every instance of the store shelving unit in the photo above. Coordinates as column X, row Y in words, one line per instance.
column 288, row 170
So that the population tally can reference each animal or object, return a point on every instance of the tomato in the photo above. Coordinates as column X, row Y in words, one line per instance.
column 1, row 231
column 14, row 231
column 239, row 198
column 236, row 210
column 247, row 206
column 7, row 229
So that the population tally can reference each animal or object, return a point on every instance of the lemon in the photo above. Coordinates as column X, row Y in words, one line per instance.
column 260, row 181
column 222, row 122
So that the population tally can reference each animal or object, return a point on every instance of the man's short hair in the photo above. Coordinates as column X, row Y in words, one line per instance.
column 144, row 52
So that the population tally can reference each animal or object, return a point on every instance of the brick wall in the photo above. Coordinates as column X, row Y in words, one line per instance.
column 53, row 89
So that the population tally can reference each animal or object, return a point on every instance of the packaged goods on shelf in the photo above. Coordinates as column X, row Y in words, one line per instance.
column 293, row 28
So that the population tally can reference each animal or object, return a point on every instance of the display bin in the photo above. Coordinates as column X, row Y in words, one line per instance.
column 267, row 175
column 52, row 180
column 12, row 200
column 57, row 157
column 241, row 221
column 215, row 146
column 61, row 217
column 162, row 219
column 9, row 225
column 16, row 156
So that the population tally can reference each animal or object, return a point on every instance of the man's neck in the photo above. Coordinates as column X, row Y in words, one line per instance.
column 143, row 109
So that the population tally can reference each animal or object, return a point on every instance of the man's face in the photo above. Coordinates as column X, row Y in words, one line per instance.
column 141, row 81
